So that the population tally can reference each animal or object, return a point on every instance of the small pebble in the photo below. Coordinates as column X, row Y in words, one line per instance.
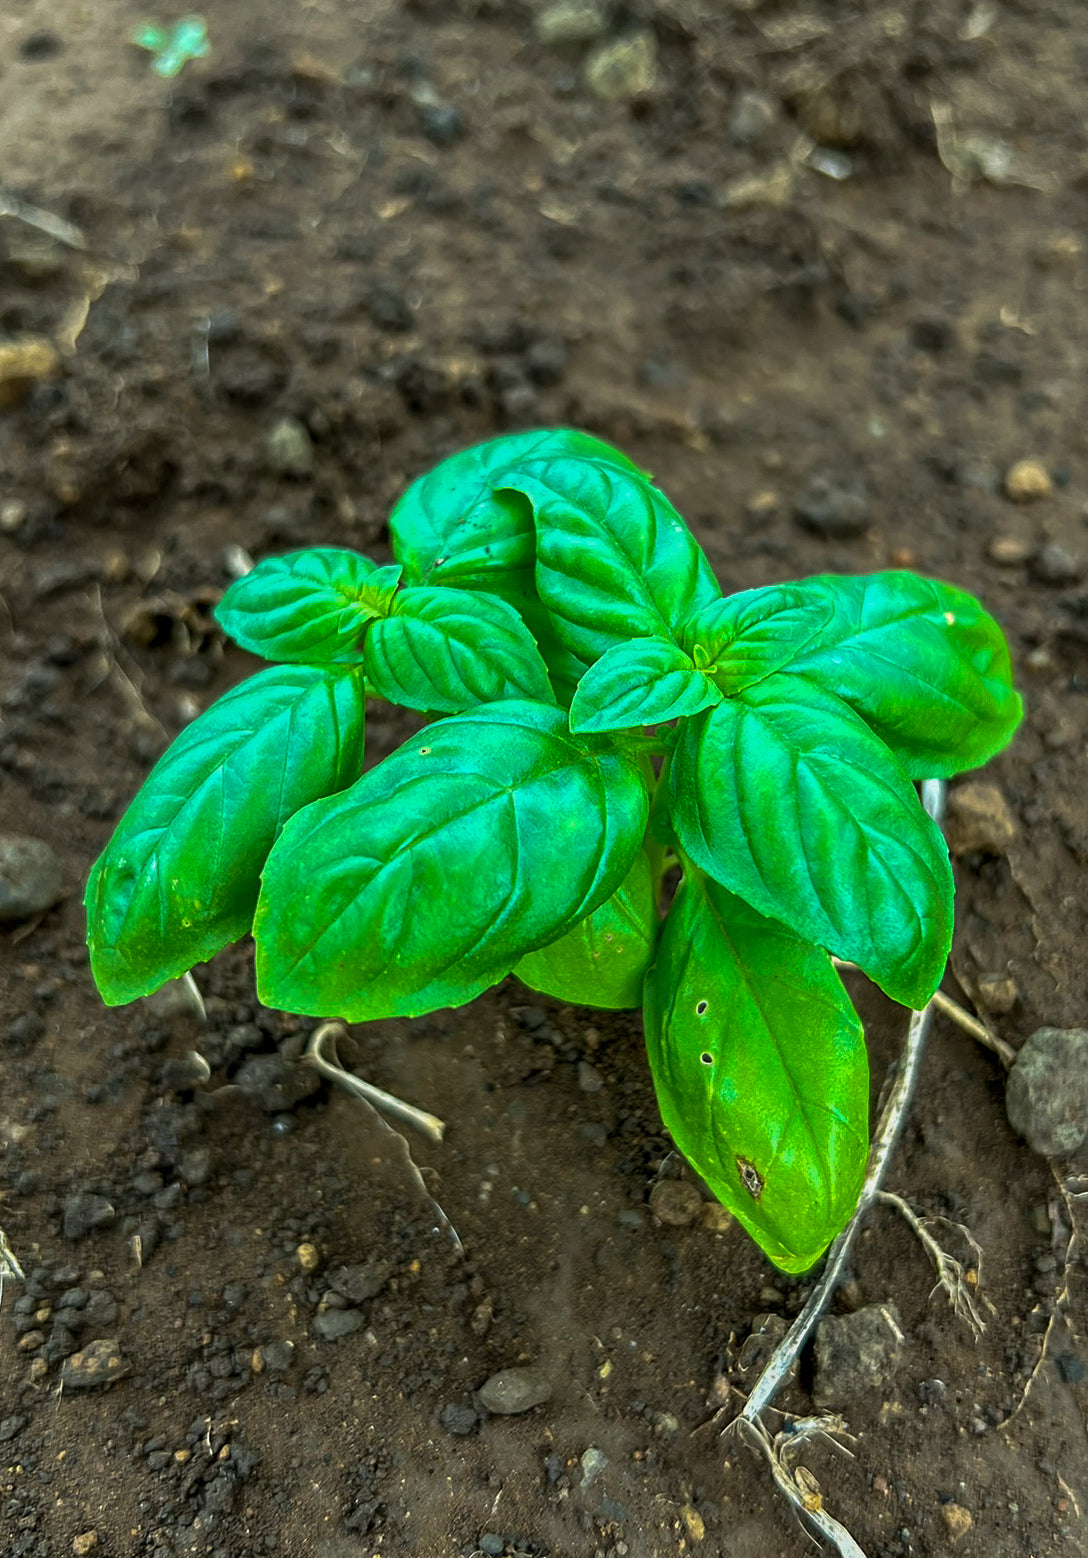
column 85, row 1542
column 22, row 365
column 676, row 1202
column 1056, row 565
column 1046, row 1096
column 957, row 1521
column 1028, row 480
column 82, row 1213
column 593, row 1462
column 289, row 449
column 623, row 69
column 331, row 1325
column 307, row 1257
column 570, row 21
column 998, row 993
column 753, row 116
column 856, row 1354
column 1009, row 551
column 459, row 1420
column 979, row 820
column 515, row 1390
column 835, row 508
column 31, row 879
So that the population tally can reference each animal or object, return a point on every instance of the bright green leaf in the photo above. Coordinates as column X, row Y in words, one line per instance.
column 603, row 960
column 309, row 607
column 923, row 664
column 644, row 682
column 486, row 836
column 614, row 560
column 453, row 527
column 442, row 651
column 786, row 797
column 179, row 878
column 760, row 1070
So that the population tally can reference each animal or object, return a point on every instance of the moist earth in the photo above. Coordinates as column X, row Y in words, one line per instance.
column 822, row 269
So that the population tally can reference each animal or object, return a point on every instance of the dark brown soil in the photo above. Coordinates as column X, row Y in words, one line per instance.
column 409, row 227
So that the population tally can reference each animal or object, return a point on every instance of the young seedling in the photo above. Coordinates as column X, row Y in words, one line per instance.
column 601, row 714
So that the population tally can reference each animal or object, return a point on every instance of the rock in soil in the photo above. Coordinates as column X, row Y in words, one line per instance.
column 99, row 1363
column 1046, row 1096
column 31, row 879
column 1028, row 480
column 835, row 508
column 624, row 69
column 515, row 1390
column 856, row 1354
column 979, row 820
column 675, row 1201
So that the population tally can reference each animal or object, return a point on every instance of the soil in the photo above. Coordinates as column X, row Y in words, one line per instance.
column 834, row 244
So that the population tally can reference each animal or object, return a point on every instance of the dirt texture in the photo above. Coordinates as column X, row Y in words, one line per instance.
column 822, row 268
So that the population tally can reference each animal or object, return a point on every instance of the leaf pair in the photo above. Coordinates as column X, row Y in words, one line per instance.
column 433, row 650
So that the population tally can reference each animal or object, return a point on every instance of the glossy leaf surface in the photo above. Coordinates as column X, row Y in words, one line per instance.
column 307, row 607
column 603, row 960
column 452, row 525
column 923, row 664
column 442, row 651
column 644, row 682
column 180, row 876
column 614, row 560
column 760, row 1070
column 488, row 835
column 786, row 797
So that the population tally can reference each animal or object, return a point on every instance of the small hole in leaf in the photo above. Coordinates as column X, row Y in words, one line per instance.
column 423, row 751
column 750, row 1178
column 700, row 1010
column 706, row 1058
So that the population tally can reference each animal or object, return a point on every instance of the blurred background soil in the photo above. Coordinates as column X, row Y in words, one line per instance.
column 820, row 267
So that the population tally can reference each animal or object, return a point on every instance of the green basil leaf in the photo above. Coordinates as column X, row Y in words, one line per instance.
column 786, row 797
column 603, row 960
column 179, row 878
column 452, row 527
column 922, row 663
column 643, row 682
column 614, row 560
column 760, row 1070
column 484, row 837
column 309, row 607
column 442, row 651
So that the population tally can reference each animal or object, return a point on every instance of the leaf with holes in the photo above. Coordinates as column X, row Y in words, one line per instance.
column 180, row 876
column 759, row 1066
column 603, row 960
column 441, row 651
column 786, row 797
column 490, row 834
column 309, row 607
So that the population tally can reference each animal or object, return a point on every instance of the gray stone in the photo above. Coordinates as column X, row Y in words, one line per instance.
column 333, row 1324
column 31, row 879
column 676, row 1202
column 623, row 69
column 358, row 1283
column 515, row 1390
column 1057, row 565
column 1046, row 1096
column 856, row 1354
column 458, row 1419
column 753, row 115
column 290, row 449
column 99, row 1363
column 278, row 1356
column 836, row 508
column 570, row 21
column 84, row 1212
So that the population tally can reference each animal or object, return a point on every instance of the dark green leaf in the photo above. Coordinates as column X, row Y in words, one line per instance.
column 614, row 560
column 644, row 682
column 441, row 651
column 760, row 1070
column 309, row 607
column 786, row 797
column 486, row 836
column 920, row 661
column 603, row 960
column 179, row 878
